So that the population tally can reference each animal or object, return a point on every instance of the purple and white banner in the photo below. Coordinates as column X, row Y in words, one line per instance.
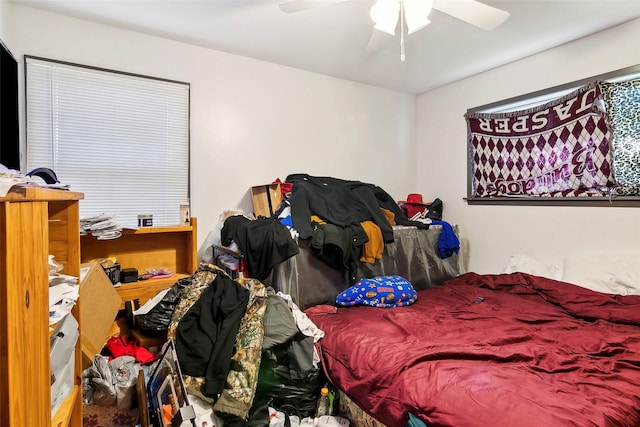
column 557, row 149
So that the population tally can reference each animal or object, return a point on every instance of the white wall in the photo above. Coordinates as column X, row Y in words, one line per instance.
column 495, row 232
column 251, row 121
column 4, row 21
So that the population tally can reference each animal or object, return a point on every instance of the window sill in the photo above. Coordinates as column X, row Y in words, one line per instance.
column 594, row 201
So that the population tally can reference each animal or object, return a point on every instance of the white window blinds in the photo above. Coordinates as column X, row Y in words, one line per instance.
column 121, row 139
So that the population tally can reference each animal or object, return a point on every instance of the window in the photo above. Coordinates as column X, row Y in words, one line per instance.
column 121, row 139
column 580, row 141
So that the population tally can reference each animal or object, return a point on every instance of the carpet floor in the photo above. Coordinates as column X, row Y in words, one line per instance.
column 108, row 416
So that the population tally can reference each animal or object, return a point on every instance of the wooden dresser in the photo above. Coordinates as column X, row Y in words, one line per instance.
column 34, row 222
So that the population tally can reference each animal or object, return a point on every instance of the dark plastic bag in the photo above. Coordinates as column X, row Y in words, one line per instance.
column 156, row 322
column 435, row 209
column 275, row 382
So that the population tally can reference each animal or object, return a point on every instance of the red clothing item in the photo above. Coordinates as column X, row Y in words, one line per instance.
column 126, row 346
column 285, row 187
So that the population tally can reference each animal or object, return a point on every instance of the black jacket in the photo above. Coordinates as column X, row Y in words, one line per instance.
column 343, row 203
column 263, row 242
column 206, row 335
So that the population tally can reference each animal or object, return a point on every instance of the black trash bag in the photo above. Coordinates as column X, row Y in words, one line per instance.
column 156, row 322
column 275, row 382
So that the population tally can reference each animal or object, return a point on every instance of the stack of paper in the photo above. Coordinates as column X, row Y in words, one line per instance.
column 63, row 292
column 103, row 227
column 10, row 178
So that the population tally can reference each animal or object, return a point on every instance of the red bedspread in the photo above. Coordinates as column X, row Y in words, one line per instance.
column 490, row 350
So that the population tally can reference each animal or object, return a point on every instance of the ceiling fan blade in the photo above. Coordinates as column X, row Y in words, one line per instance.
column 378, row 41
column 302, row 5
column 473, row 12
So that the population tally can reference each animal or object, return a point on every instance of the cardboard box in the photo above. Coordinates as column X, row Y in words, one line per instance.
column 266, row 199
column 99, row 305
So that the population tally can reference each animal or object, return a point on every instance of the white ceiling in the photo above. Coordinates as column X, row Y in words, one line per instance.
column 332, row 39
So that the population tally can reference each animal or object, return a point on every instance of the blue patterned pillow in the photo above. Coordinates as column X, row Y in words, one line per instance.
column 381, row 291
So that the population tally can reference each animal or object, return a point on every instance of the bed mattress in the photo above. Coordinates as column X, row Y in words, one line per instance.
column 490, row 350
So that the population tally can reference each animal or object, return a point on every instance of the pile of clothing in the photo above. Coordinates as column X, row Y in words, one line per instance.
column 111, row 378
column 242, row 347
column 345, row 221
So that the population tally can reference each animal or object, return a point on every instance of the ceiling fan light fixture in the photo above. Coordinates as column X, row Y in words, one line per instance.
column 416, row 13
column 385, row 15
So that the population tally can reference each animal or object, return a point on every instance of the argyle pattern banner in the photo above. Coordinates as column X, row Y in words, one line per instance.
column 558, row 149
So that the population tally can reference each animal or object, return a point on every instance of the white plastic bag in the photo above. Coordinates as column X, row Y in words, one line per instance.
column 205, row 253
column 332, row 421
column 124, row 372
column 97, row 381
column 276, row 418
column 205, row 417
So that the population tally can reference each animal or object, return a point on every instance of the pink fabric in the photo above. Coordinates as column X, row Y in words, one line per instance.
column 490, row 350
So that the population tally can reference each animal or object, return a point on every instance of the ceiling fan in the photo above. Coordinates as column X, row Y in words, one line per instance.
column 415, row 13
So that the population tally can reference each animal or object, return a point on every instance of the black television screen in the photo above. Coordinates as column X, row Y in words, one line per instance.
column 9, row 135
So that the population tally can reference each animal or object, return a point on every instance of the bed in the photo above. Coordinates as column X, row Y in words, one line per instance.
column 489, row 350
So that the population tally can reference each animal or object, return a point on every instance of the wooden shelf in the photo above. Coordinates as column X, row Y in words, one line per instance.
column 35, row 223
column 65, row 411
column 29, row 194
column 155, row 230
column 171, row 247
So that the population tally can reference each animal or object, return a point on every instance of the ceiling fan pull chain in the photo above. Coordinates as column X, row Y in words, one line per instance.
column 402, row 30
